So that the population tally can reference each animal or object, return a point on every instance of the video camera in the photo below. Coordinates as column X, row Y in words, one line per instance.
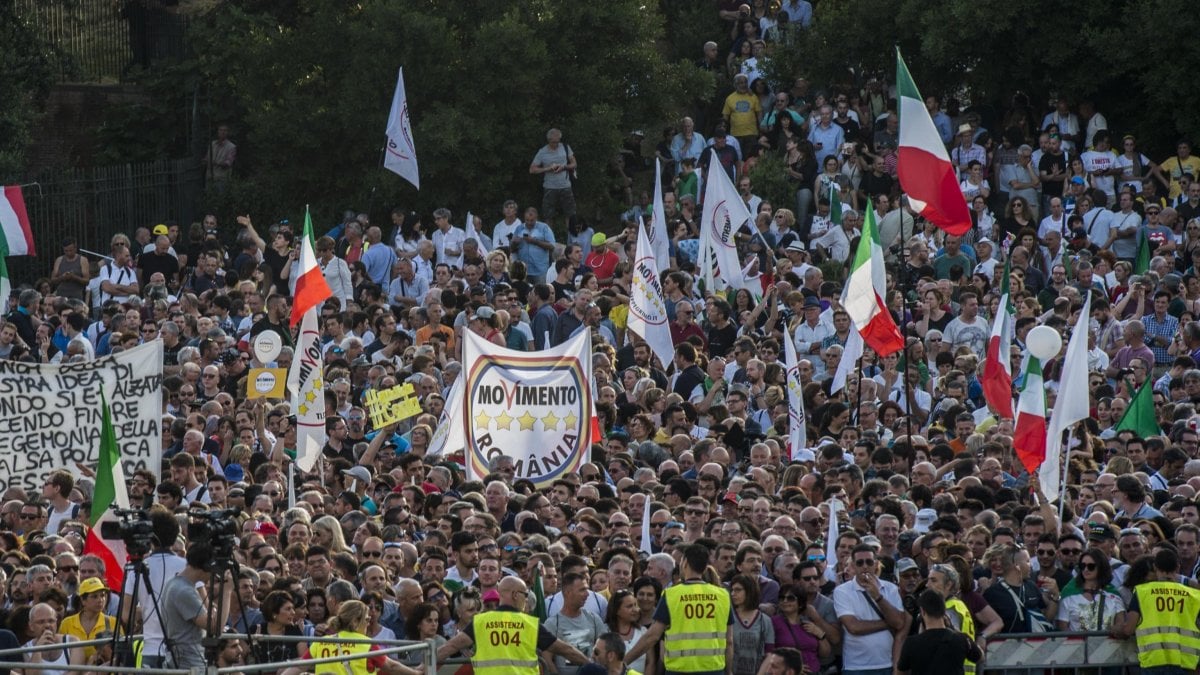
column 133, row 527
column 217, row 529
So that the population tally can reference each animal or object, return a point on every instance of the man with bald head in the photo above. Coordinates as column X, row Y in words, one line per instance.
column 378, row 259
column 42, row 623
column 510, row 635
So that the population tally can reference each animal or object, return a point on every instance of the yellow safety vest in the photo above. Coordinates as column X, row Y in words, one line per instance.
column 967, row 628
column 505, row 644
column 1167, row 634
column 325, row 650
column 695, row 640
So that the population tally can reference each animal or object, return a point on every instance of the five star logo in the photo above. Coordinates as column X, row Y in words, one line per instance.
column 526, row 421
column 482, row 421
column 550, row 421
column 317, row 383
column 503, row 420
column 310, row 396
column 571, row 420
column 303, row 409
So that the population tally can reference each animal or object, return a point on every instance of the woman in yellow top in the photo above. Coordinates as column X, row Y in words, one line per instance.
column 91, row 619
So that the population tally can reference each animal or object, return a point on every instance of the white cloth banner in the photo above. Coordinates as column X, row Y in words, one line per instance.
column 723, row 216
column 400, row 155
column 1070, row 406
column 659, row 237
column 535, row 407
column 50, row 415
column 647, row 308
column 797, row 434
column 473, row 233
column 306, row 380
column 448, row 438
column 849, row 363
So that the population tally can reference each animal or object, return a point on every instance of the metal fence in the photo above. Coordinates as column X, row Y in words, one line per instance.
column 1061, row 652
column 106, row 40
column 92, row 204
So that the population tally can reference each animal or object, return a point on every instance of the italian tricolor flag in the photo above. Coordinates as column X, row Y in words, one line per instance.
column 1029, row 438
column 306, row 377
column 16, row 233
column 997, row 369
column 110, row 494
column 924, row 168
column 863, row 296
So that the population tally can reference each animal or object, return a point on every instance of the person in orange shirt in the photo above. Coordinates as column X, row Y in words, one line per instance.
column 435, row 313
column 964, row 426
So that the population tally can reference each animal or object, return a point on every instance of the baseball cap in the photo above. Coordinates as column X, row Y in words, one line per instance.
column 359, row 473
column 234, row 473
column 492, row 596
column 1101, row 532
column 485, row 312
column 91, row 586
column 265, row 527
column 906, row 565
column 1077, row 180
column 160, row 229
column 599, row 239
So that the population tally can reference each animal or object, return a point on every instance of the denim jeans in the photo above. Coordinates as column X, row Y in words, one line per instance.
column 880, row 671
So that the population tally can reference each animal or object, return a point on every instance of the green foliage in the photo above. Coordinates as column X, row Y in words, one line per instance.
column 28, row 65
column 1107, row 50
column 770, row 180
column 307, row 87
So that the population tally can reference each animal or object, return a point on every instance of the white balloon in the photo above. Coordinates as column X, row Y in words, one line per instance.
column 1043, row 342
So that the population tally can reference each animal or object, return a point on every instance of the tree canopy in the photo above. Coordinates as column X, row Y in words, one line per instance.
column 308, row 91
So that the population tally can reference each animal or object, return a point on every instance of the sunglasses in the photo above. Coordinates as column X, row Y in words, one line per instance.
column 1091, row 567
column 864, row 563
column 816, row 558
column 787, row 598
column 810, row 578
column 372, row 554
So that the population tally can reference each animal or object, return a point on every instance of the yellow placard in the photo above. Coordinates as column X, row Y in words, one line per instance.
column 266, row 383
column 392, row 405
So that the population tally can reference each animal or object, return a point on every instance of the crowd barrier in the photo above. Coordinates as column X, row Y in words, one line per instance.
column 13, row 658
column 1061, row 651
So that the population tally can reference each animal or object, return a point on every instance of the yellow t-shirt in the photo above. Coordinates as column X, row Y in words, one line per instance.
column 743, row 112
column 1174, row 169
column 74, row 627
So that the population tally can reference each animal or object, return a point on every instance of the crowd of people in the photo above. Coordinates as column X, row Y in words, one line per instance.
column 941, row 533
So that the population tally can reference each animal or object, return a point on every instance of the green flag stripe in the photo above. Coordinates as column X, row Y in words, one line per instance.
column 105, row 493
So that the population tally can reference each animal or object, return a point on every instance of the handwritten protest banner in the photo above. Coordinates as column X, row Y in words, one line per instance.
column 50, row 414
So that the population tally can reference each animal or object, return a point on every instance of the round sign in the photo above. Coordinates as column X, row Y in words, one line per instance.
column 264, row 383
column 267, row 346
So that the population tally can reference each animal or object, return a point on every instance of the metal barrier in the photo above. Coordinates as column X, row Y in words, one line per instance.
column 399, row 647
column 1059, row 651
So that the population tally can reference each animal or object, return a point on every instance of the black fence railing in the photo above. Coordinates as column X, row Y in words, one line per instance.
column 106, row 41
column 93, row 204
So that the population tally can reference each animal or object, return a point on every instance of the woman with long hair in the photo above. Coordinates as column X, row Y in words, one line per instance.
column 623, row 618
column 1090, row 602
column 1137, row 168
column 793, row 628
column 802, row 174
column 327, row 532
column 424, row 622
column 648, row 591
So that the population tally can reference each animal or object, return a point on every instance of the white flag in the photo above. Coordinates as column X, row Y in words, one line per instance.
column 659, row 237
column 400, row 155
column 473, row 233
column 850, row 356
column 646, row 545
column 306, row 380
column 831, row 537
column 1071, row 404
column 723, row 216
column 647, row 309
column 448, row 437
column 798, row 435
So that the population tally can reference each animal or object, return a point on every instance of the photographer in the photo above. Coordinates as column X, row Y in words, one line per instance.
column 186, row 610
column 162, row 565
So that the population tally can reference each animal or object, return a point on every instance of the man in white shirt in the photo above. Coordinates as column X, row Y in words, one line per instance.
column 502, row 232
column 870, row 610
column 118, row 280
column 162, row 566
column 447, row 239
column 1097, row 221
column 1055, row 221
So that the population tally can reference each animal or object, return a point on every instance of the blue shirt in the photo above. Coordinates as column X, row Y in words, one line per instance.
column 536, row 258
column 941, row 121
column 378, row 260
column 830, row 139
column 799, row 11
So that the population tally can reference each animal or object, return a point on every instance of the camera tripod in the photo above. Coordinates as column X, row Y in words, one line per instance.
column 123, row 649
column 215, row 627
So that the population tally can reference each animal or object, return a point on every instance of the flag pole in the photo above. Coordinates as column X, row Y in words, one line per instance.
column 1066, row 465
column 906, row 286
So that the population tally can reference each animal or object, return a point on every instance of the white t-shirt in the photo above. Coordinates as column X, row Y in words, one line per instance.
column 1094, row 161
column 161, row 568
column 1128, row 168
column 865, row 652
column 121, row 276
column 1097, row 222
column 502, row 232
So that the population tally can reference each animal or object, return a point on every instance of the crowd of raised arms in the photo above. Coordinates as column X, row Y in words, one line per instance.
column 929, row 492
